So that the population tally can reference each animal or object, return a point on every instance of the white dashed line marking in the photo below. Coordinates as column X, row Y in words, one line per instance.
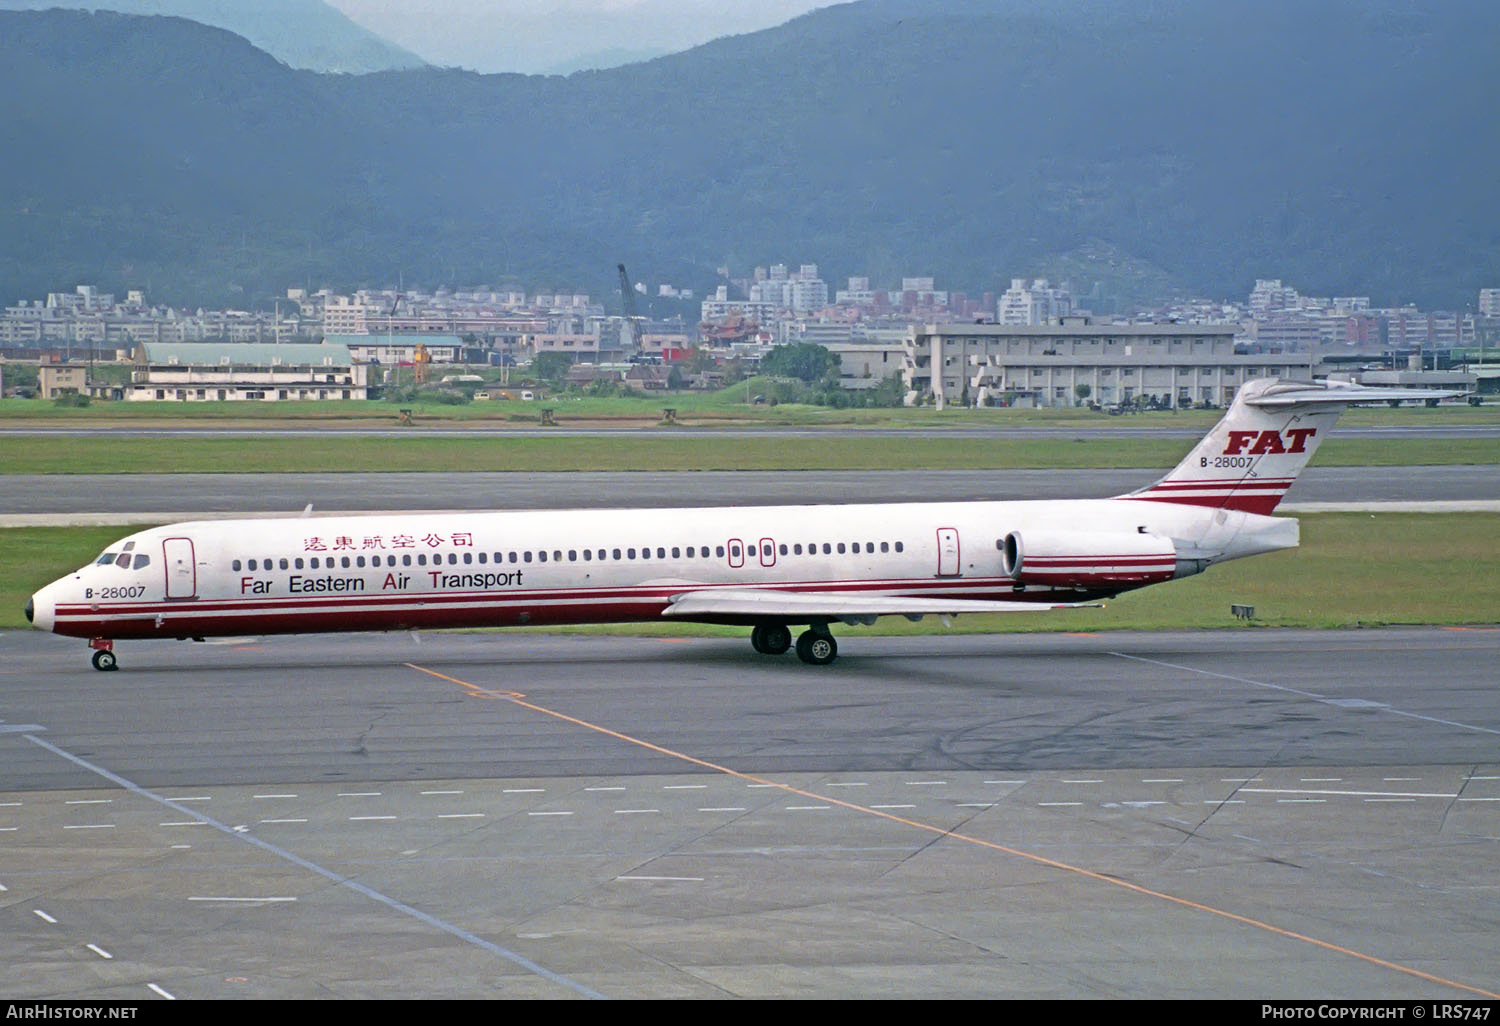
column 43, row 916
column 157, row 990
column 96, row 949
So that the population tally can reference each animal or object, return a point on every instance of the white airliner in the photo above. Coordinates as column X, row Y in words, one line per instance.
column 769, row 568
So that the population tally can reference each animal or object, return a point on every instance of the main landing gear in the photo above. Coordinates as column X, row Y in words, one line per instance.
column 104, row 654
column 815, row 645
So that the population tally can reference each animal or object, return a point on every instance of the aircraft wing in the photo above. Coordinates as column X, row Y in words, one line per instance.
column 798, row 606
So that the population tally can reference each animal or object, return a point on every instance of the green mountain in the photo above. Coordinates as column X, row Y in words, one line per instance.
column 1348, row 146
column 301, row 33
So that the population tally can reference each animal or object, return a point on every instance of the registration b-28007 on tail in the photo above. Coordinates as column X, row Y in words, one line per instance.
column 770, row 568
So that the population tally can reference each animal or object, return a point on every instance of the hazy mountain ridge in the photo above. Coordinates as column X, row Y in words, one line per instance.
column 1341, row 144
column 307, row 34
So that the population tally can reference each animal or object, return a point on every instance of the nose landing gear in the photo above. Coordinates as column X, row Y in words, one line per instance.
column 104, row 654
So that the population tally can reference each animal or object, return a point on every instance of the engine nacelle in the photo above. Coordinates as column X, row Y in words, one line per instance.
column 1088, row 559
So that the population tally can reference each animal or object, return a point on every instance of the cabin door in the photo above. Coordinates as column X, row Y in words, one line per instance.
column 947, row 540
column 181, row 568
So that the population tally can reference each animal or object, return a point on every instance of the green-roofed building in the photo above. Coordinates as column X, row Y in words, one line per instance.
column 255, row 371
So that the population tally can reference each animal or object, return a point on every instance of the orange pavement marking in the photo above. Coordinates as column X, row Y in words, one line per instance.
column 518, row 699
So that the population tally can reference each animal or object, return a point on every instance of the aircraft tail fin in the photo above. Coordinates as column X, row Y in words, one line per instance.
column 1269, row 433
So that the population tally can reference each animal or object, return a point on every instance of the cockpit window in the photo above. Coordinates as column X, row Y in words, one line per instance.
column 141, row 560
column 106, row 557
column 123, row 560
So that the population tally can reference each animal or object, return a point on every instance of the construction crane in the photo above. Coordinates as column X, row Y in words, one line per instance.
column 634, row 323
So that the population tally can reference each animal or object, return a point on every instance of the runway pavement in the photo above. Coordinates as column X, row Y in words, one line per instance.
column 146, row 497
column 1245, row 814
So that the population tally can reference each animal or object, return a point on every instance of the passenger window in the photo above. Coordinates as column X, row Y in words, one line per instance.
column 250, row 565
column 676, row 552
column 542, row 556
column 898, row 547
column 468, row 557
column 345, row 561
column 297, row 562
column 284, row 564
column 235, row 566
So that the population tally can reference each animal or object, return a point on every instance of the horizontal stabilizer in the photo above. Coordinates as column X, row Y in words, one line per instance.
column 799, row 606
column 1306, row 393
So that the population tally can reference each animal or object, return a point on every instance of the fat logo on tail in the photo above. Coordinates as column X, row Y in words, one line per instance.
column 1252, row 456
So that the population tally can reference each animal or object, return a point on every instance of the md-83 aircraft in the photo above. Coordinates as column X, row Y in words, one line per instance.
column 766, row 567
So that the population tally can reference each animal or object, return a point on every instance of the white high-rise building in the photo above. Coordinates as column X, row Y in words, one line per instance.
column 1489, row 302
column 1033, row 301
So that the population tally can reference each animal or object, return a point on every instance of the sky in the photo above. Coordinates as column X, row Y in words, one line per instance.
column 545, row 36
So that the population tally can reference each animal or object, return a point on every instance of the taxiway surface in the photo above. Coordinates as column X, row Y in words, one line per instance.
column 59, row 496
column 1253, row 814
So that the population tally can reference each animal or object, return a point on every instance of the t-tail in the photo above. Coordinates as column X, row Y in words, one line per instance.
column 1254, row 454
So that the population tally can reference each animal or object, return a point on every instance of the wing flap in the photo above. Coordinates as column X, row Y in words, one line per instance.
column 798, row 605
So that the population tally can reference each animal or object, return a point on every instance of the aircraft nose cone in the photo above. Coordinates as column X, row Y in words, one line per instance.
column 30, row 610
